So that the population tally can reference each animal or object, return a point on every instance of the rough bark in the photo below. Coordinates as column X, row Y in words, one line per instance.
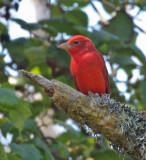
column 123, row 127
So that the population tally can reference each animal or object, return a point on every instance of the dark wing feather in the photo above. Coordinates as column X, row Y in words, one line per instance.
column 75, row 81
column 106, row 79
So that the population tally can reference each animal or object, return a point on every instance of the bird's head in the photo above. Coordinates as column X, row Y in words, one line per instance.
column 77, row 45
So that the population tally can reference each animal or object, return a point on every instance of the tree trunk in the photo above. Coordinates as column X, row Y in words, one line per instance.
column 123, row 127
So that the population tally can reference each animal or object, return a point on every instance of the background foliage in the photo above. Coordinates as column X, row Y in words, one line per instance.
column 115, row 40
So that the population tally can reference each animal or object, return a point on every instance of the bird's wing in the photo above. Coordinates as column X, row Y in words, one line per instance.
column 106, row 79
column 75, row 81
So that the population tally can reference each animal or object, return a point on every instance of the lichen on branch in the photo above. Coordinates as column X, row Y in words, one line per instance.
column 123, row 127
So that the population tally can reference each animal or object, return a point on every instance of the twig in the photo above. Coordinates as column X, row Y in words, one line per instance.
column 140, row 29
column 111, row 5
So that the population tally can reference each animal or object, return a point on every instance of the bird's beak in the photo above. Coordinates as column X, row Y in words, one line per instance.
column 65, row 46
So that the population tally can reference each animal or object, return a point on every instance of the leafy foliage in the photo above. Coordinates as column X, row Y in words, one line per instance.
column 19, row 106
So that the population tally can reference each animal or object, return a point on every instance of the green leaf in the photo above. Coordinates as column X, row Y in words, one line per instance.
column 63, row 79
column 20, row 114
column 61, row 25
column 3, row 121
column 106, row 155
column 8, row 99
column 51, row 30
column 30, row 125
column 60, row 148
column 77, row 17
column 18, row 47
column 60, row 56
column 45, row 148
column 3, row 29
column 122, row 26
column 5, row 2
column 41, row 68
column 3, row 77
column 129, row 50
column 18, row 111
column 5, row 128
column 102, row 37
column 123, row 60
column 26, row 151
column 116, row 3
column 40, row 106
column 7, row 85
column 56, row 11
column 36, row 54
column 13, row 156
column 69, row 3
column 98, row 37
column 142, row 102
column 35, row 26
column 3, row 155
column 27, row 26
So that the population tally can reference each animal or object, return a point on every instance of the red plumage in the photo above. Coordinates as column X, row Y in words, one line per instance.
column 87, row 66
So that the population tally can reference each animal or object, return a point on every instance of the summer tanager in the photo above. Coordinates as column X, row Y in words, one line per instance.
column 87, row 66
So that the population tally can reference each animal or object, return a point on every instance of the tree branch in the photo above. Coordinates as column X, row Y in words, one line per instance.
column 111, row 5
column 123, row 127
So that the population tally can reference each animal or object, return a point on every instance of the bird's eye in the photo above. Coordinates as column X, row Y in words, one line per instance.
column 76, row 42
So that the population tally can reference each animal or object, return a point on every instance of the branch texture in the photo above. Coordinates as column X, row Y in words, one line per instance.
column 123, row 127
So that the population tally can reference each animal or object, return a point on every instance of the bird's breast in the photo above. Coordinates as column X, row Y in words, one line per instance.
column 89, row 76
column 86, row 62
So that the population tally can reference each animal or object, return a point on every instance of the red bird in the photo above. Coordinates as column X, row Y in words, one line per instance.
column 87, row 66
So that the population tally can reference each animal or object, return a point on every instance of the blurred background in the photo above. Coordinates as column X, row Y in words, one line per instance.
column 31, row 126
